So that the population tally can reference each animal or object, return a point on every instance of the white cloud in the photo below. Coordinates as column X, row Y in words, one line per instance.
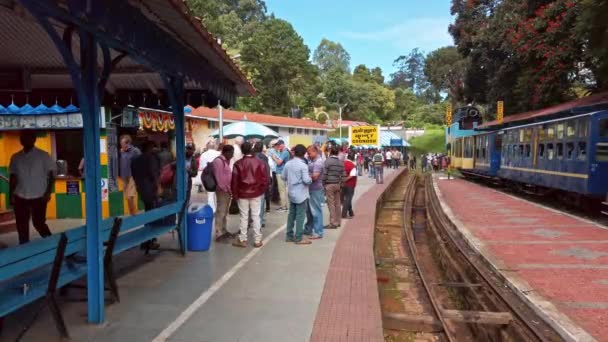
column 425, row 33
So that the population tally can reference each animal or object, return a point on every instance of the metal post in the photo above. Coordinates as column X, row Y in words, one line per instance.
column 175, row 90
column 221, row 116
column 88, row 98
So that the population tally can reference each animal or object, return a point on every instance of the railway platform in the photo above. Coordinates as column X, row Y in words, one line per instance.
column 280, row 292
column 555, row 261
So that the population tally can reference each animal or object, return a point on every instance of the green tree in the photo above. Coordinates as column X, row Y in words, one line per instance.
column 277, row 61
column 445, row 69
column 361, row 73
column 410, row 72
column 331, row 55
column 592, row 28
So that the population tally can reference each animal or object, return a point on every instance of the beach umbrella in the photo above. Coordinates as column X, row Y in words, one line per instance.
column 248, row 130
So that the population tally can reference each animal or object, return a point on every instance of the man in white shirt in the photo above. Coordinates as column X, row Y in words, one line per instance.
column 388, row 158
column 32, row 172
column 207, row 157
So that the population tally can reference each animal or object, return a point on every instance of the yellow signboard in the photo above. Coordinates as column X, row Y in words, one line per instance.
column 448, row 114
column 365, row 135
column 500, row 111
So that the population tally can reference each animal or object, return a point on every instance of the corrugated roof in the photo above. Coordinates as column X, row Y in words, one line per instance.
column 565, row 108
column 266, row 119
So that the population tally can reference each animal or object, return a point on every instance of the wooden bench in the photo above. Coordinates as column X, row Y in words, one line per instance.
column 38, row 269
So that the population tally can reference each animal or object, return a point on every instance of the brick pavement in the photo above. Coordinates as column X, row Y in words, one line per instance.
column 350, row 307
column 558, row 262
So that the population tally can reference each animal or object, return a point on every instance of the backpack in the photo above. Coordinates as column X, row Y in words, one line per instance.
column 208, row 178
column 166, row 175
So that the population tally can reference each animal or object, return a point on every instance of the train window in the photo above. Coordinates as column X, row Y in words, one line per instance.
column 541, row 150
column 521, row 150
column 582, row 150
column 571, row 128
column 583, row 127
column 560, row 150
column 542, row 134
column 521, row 135
column 603, row 128
column 528, row 151
column 550, row 151
column 560, row 131
column 551, row 133
column 527, row 135
column 601, row 152
column 570, row 150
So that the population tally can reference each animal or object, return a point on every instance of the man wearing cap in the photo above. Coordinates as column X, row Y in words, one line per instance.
column 281, row 156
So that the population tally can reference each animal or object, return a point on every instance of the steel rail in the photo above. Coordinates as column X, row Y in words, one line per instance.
column 409, row 198
column 440, row 220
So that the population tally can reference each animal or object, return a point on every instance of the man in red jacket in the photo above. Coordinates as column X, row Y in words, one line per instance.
column 249, row 182
column 348, row 187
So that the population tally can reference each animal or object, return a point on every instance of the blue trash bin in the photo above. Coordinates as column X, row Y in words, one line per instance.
column 200, row 227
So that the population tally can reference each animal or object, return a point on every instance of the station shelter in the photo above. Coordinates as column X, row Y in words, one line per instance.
column 93, row 62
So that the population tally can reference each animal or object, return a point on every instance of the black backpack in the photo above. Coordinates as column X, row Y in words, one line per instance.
column 208, row 178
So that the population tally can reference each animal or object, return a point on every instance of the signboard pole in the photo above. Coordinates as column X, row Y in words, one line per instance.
column 221, row 130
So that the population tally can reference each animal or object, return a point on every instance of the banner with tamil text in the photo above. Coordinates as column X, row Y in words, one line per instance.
column 365, row 135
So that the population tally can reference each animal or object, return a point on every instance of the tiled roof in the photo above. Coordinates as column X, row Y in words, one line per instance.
column 265, row 119
column 588, row 101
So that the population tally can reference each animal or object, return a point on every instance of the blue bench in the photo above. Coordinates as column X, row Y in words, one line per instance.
column 37, row 269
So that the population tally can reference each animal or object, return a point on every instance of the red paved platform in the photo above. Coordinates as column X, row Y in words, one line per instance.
column 350, row 305
column 558, row 261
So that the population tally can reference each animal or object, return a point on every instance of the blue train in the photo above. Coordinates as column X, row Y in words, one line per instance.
column 562, row 148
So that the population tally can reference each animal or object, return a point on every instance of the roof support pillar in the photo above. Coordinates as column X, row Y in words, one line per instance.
column 175, row 90
column 86, row 82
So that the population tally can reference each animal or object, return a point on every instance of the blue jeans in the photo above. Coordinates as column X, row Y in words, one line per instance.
column 379, row 170
column 314, row 213
column 263, row 210
column 297, row 213
column 372, row 170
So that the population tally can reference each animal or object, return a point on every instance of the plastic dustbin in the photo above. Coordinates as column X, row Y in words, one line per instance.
column 200, row 227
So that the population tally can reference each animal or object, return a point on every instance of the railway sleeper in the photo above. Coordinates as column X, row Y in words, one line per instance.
column 411, row 323
column 477, row 317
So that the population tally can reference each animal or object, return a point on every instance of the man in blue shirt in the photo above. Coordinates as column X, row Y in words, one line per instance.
column 281, row 156
column 314, row 214
column 295, row 174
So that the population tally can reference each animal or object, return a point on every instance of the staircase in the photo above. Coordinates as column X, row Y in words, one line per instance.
column 7, row 221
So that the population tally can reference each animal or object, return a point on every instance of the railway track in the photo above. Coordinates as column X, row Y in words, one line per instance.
column 461, row 296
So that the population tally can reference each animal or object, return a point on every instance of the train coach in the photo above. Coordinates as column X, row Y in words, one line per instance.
column 558, row 149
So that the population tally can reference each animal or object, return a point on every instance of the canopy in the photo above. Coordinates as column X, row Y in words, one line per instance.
column 246, row 129
column 388, row 138
column 41, row 109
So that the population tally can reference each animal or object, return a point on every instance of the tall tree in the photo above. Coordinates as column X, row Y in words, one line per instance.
column 410, row 72
column 277, row 61
column 376, row 75
column 445, row 69
column 331, row 55
column 592, row 28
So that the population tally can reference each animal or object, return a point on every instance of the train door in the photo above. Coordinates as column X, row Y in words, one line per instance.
column 496, row 152
column 598, row 168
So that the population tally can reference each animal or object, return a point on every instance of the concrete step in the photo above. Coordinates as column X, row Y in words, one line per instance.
column 6, row 215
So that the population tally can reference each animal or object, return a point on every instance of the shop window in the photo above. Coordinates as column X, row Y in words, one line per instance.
column 582, row 150
column 321, row 133
column 315, row 132
column 292, row 130
column 212, row 124
column 560, row 150
column 560, row 131
column 550, row 152
column 528, row 150
column 307, row 131
column 571, row 128
column 299, row 131
column 603, row 128
column 570, row 150
column 541, row 150
column 69, row 147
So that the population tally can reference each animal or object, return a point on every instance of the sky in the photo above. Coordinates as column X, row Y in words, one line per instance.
column 374, row 32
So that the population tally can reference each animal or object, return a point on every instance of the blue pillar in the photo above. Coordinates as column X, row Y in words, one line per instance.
column 88, row 98
column 175, row 90
column 86, row 83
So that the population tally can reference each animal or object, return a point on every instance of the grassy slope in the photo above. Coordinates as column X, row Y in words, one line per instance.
column 432, row 141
